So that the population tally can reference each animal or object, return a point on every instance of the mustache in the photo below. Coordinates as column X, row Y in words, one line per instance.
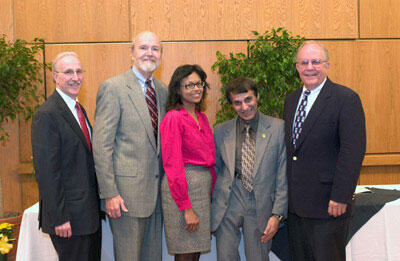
column 149, row 58
column 73, row 82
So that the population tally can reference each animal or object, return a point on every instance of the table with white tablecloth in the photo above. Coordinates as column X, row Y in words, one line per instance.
column 378, row 239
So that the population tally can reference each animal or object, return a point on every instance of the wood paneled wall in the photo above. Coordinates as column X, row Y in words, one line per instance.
column 362, row 37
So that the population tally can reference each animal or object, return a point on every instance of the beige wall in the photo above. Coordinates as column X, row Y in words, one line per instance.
column 361, row 35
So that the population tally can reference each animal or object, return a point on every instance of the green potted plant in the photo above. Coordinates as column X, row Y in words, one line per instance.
column 20, row 75
column 270, row 62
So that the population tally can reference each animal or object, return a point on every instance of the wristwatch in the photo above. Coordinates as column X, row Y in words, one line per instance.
column 279, row 217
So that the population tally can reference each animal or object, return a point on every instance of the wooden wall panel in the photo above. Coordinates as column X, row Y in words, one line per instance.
column 232, row 19
column 100, row 62
column 7, row 19
column 9, row 160
column 378, row 77
column 325, row 18
column 342, row 59
column 379, row 19
column 203, row 54
column 30, row 191
column 72, row 21
column 380, row 175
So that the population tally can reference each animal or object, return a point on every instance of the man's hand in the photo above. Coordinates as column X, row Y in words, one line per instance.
column 191, row 219
column 271, row 229
column 336, row 209
column 64, row 230
column 114, row 206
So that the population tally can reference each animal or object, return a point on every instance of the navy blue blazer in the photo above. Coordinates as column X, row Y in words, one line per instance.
column 326, row 163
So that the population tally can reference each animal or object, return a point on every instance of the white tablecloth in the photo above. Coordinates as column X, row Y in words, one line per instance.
column 34, row 245
column 377, row 240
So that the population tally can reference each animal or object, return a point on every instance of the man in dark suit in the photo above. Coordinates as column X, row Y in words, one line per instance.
column 64, row 167
column 325, row 144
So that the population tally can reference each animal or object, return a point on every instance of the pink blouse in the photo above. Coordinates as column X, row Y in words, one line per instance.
column 182, row 143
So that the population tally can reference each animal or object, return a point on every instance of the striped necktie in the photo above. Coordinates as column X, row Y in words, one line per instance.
column 300, row 117
column 151, row 101
column 248, row 153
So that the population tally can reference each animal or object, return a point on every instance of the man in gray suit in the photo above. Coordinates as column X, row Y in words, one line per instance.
column 127, row 154
column 251, row 188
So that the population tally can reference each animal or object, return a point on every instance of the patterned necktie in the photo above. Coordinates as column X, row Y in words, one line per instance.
column 248, row 153
column 82, row 122
column 300, row 117
column 152, row 105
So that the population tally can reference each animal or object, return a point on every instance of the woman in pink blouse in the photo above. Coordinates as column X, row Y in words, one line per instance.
column 188, row 154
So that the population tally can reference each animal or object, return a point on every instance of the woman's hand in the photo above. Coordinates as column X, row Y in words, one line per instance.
column 191, row 219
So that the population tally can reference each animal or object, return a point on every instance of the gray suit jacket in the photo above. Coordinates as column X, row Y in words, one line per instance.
column 126, row 154
column 270, row 184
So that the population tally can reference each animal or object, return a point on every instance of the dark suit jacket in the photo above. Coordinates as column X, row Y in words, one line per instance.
column 64, row 170
column 327, row 160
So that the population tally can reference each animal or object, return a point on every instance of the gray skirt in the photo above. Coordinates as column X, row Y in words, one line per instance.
column 180, row 241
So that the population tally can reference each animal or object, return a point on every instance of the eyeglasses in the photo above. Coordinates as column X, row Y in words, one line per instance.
column 192, row 85
column 314, row 62
column 70, row 73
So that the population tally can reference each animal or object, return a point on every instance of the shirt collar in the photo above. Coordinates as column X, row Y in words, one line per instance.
column 140, row 76
column 317, row 89
column 253, row 123
column 68, row 100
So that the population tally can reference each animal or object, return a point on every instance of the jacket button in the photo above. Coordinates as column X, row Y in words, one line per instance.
column 294, row 158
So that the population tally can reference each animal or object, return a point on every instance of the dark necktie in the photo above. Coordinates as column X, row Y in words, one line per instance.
column 248, row 153
column 151, row 101
column 82, row 122
column 300, row 117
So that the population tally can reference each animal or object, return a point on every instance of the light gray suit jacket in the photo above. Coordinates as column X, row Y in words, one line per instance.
column 127, row 157
column 270, row 183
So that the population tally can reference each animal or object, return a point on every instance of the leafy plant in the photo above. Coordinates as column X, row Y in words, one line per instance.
column 270, row 63
column 20, row 75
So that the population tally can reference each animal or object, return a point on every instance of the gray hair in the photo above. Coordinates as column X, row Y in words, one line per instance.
column 310, row 42
column 143, row 33
column 60, row 56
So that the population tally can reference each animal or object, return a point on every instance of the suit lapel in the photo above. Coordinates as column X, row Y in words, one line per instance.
column 317, row 108
column 137, row 97
column 160, row 109
column 69, row 118
column 228, row 152
column 291, row 109
column 262, row 140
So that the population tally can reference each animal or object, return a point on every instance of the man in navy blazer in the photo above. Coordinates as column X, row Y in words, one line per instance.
column 324, row 158
column 64, row 167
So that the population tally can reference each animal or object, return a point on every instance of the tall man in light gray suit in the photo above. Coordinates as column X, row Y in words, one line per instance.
column 251, row 188
column 127, row 154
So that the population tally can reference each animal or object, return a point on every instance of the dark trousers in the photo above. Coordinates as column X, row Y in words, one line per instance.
column 82, row 248
column 317, row 239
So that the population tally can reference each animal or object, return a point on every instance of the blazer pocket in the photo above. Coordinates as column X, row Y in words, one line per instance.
column 125, row 170
column 74, row 195
column 325, row 177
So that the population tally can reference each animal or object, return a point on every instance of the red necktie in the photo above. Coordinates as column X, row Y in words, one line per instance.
column 152, row 104
column 82, row 122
